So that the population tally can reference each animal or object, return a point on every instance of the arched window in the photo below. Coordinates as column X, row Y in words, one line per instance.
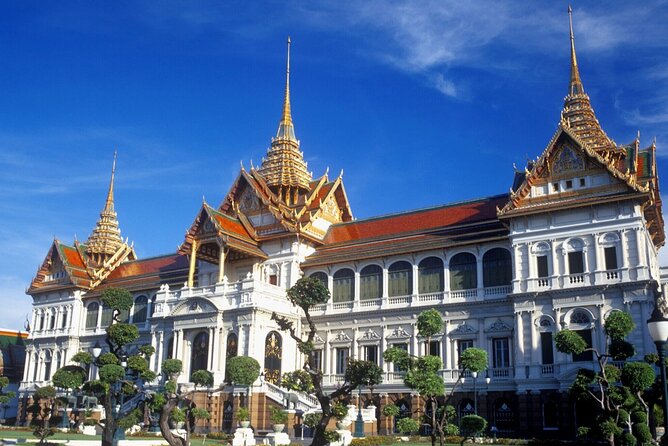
column 140, row 310
column 273, row 352
column 466, row 407
column 497, row 268
column 400, row 279
column 344, row 286
column 580, row 322
column 170, row 348
column 232, row 343
column 47, row 365
column 575, row 253
column 504, row 417
column 371, row 282
column 231, row 349
column 52, row 319
column 152, row 310
column 91, row 315
column 199, row 359
column 430, row 275
column 463, row 272
column 63, row 319
column 322, row 277
column 107, row 313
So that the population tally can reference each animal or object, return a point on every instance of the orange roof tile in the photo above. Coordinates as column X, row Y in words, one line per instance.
column 153, row 265
column 416, row 221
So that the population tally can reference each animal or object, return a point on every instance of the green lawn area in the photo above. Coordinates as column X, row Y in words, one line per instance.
column 7, row 433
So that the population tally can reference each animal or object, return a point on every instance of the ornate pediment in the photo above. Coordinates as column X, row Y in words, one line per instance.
column 341, row 337
column 567, row 160
column 317, row 339
column 369, row 335
column 194, row 306
column 499, row 325
column 398, row 333
column 463, row 328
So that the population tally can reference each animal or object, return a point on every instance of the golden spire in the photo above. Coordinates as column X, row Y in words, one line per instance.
column 284, row 168
column 576, row 86
column 105, row 240
column 578, row 114
column 286, row 128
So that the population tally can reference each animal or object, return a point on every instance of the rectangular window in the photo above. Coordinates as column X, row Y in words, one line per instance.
column 610, row 258
column 403, row 347
column 547, row 349
column 555, row 187
column 586, row 355
column 501, row 353
column 575, row 262
column 434, row 348
column 582, row 182
column 541, row 265
column 273, row 279
column 370, row 286
column 569, row 184
column 342, row 355
column 317, row 359
column 371, row 353
column 63, row 320
column 461, row 346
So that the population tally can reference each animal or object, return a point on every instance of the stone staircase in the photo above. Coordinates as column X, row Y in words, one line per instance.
column 291, row 399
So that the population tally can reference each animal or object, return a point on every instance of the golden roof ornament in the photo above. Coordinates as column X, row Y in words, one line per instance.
column 284, row 168
column 105, row 240
column 578, row 114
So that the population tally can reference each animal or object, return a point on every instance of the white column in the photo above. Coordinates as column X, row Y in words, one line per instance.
column 383, row 347
column 385, row 282
column 415, row 280
column 209, row 357
column 519, row 346
column 448, row 347
column 27, row 366
column 221, row 265
column 414, row 340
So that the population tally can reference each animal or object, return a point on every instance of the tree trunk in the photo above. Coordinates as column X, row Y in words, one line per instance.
column 173, row 440
column 109, row 423
column 319, row 433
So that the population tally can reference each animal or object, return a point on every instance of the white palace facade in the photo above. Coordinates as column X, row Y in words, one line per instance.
column 575, row 239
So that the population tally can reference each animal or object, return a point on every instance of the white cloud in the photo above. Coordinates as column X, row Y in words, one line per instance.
column 445, row 86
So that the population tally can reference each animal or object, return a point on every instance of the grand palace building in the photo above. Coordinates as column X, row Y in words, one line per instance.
column 575, row 239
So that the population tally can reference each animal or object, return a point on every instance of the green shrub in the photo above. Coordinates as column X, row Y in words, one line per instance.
column 639, row 417
column 407, row 425
column 642, row 433
column 331, row 436
column 451, row 429
column 243, row 414
column 472, row 425
column 377, row 440
column 278, row 416
column 626, row 439
column 339, row 411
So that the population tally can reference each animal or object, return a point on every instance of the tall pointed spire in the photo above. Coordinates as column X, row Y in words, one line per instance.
column 105, row 240
column 284, row 168
column 286, row 128
column 109, row 204
column 576, row 86
column 578, row 114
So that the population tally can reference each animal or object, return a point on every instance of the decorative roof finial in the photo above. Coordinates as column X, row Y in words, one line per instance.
column 286, row 128
column 106, row 239
column 576, row 86
column 109, row 203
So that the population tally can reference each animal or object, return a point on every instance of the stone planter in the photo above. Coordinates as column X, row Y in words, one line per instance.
column 278, row 427
column 244, row 424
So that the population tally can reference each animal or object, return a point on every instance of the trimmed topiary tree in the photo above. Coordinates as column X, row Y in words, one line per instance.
column 471, row 426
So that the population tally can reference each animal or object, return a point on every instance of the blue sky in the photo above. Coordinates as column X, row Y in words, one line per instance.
column 419, row 102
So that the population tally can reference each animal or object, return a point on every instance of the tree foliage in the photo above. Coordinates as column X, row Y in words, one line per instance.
column 407, row 425
column 243, row 370
column 5, row 395
column 471, row 426
column 69, row 377
column 615, row 391
column 306, row 293
column 429, row 323
column 43, row 409
column 473, row 359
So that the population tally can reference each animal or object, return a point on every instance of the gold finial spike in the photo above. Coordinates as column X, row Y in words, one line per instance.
column 286, row 129
column 109, row 204
column 576, row 86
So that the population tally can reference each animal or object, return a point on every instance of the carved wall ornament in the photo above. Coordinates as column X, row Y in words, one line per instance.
column 317, row 339
column 248, row 201
column 499, row 325
column 463, row 328
column 398, row 333
column 342, row 336
column 369, row 335
column 567, row 160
